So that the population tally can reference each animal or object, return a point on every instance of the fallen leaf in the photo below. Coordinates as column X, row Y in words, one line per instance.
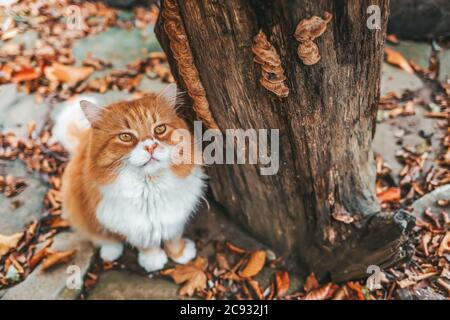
column 39, row 255
column 444, row 284
column 256, row 288
column 235, row 249
column 26, row 74
column 222, row 261
column 356, row 287
column 341, row 293
column 67, row 74
column 444, row 246
column 392, row 38
column 9, row 242
column 282, row 282
column 389, row 195
column 396, row 58
column 322, row 293
column 254, row 264
column 311, row 283
column 56, row 257
column 191, row 274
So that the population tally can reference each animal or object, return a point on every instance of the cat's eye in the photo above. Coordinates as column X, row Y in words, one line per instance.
column 125, row 137
column 160, row 129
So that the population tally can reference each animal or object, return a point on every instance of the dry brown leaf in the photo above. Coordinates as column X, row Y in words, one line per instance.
column 322, row 293
column 444, row 284
column 26, row 74
column 254, row 285
column 444, row 246
column 254, row 264
column 235, row 249
column 67, row 74
column 222, row 261
column 56, row 257
column 191, row 274
column 311, row 283
column 396, row 58
column 389, row 195
column 341, row 293
column 355, row 286
column 282, row 281
column 39, row 255
column 9, row 242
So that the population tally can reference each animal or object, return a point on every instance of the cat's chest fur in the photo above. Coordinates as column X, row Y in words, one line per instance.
column 147, row 211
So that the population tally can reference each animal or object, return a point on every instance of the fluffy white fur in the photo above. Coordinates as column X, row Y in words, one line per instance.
column 149, row 211
column 152, row 261
column 111, row 251
column 70, row 113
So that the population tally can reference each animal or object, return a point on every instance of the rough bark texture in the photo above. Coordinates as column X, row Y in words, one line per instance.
column 326, row 128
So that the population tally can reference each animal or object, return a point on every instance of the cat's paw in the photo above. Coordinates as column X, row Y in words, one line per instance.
column 111, row 251
column 189, row 252
column 152, row 261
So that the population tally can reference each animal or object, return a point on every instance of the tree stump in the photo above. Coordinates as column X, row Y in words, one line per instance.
column 326, row 124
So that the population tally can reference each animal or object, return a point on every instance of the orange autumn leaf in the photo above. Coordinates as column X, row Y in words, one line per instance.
column 191, row 274
column 9, row 242
column 396, row 58
column 26, row 74
column 355, row 286
column 254, row 264
column 254, row 285
column 322, row 293
column 311, row 283
column 392, row 38
column 56, row 257
column 235, row 249
column 40, row 255
column 389, row 195
column 282, row 281
column 67, row 74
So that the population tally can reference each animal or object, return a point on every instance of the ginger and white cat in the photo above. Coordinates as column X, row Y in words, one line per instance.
column 122, row 185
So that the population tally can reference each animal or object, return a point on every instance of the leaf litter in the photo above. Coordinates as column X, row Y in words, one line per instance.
column 48, row 71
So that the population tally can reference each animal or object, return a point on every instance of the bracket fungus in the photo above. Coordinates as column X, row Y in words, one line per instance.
column 306, row 32
column 182, row 53
column 272, row 74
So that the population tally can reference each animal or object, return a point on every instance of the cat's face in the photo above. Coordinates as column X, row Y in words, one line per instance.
column 140, row 135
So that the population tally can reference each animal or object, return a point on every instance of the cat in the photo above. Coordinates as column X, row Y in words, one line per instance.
column 121, row 183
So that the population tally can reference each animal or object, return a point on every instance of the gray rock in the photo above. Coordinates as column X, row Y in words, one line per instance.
column 18, row 109
column 117, row 46
column 398, row 80
column 14, row 220
column 385, row 140
column 51, row 284
column 430, row 201
column 122, row 285
column 444, row 71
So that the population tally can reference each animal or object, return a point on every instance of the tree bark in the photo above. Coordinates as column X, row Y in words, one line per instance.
column 326, row 127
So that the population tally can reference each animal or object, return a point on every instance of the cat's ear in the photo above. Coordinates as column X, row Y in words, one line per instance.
column 169, row 94
column 91, row 110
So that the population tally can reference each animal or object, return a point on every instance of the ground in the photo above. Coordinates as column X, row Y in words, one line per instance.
column 119, row 46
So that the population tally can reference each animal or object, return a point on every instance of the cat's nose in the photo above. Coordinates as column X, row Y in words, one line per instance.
column 151, row 149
